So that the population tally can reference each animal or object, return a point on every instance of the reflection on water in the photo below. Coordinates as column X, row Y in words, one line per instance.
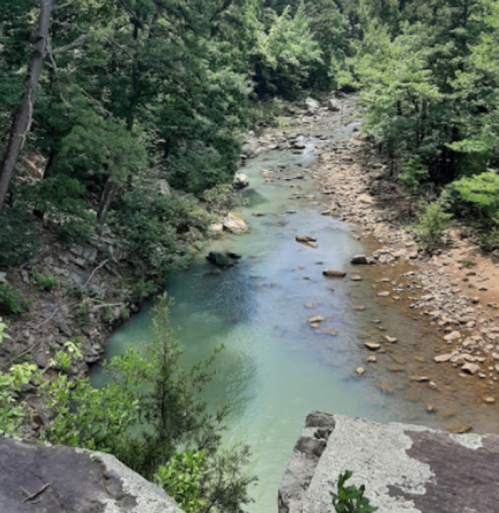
column 274, row 369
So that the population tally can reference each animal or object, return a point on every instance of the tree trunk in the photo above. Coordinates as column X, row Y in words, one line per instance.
column 105, row 202
column 22, row 119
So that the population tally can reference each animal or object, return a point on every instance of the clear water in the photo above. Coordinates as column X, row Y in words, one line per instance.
column 275, row 369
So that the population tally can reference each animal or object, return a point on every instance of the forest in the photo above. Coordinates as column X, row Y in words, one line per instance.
column 124, row 118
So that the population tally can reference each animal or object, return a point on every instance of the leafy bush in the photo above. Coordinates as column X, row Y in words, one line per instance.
column 3, row 335
column 222, row 199
column 46, row 282
column 413, row 175
column 18, row 236
column 433, row 221
column 203, row 165
column 481, row 193
column 151, row 227
column 182, row 479
column 11, row 302
column 350, row 499
column 62, row 200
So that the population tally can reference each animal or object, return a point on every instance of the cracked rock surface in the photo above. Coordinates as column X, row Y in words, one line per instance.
column 405, row 468
column 72, row 481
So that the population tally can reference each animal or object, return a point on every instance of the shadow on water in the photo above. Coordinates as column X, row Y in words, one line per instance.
column 274, row 369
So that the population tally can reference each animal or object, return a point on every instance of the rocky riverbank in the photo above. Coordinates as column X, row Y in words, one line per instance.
column 455, row 290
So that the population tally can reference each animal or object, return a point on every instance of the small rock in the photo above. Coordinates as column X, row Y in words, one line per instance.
column 391, row 340
column 333, row 273
column 470, row 368
column 359, row 308
column 420, row 379
column 458, row 428
column 308, row 241
column 360, row 371
column 240, row 181
column 383, row 294
column 359, row 260
column 442, row 358
column 431, row 408
column 371, row 359
column 316, row 319
column 356, row 277
column 489, row 400
column 451, row 337
column 372, row 346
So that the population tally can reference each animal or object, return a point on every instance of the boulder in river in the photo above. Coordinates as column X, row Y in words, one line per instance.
column 334, row 273
column 312, row 105
column 333, row 105
column 359, row 260
column 223, row 259
column 308, row 241
column 240, row 181
column 235, row 224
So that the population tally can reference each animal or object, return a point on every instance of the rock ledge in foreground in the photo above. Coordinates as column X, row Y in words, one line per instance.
column 405, row 468
column 78, row 482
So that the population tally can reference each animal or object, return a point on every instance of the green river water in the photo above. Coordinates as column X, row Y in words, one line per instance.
column 275, row 369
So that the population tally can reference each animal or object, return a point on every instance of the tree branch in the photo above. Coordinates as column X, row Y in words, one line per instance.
column 77, row 42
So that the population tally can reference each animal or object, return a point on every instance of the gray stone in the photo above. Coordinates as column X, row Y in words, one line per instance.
column 312, row 105
column 333, row 105
column 78, row 482
column 164, row 187
column 235, row 224
column 240, row 181
column 359, row 260
column 405, row 468
column 334, row 273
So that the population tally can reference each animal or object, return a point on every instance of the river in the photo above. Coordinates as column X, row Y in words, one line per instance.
column 275, row 369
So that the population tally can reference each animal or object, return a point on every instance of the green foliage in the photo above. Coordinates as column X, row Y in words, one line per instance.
column 46, row 282
column 182, row 479
column 350, row 499
column 285, row 55
column 433, row 221
column 222, row 199
column 11, row 302
column 18, row 236
column 3, row 335
column 481, row 192
column 202, row 167
column 152, row 227
column 61, row 200
column 413, row 175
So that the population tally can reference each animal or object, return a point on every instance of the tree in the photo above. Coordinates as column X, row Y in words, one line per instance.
column 21, row 123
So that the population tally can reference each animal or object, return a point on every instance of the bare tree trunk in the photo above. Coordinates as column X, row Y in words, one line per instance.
column 22, row 119
column 105, row 203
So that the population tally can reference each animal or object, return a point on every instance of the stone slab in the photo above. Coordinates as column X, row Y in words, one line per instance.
column 80, row 482
column 405, row 468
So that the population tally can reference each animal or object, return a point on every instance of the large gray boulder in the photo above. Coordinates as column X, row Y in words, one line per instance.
column 405, row 468
column 64, row 480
